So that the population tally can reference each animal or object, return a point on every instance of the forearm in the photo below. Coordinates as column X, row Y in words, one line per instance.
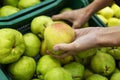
column 109, row 37
column 96, row 5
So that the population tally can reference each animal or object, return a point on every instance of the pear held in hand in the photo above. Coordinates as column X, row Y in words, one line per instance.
column 58, row 32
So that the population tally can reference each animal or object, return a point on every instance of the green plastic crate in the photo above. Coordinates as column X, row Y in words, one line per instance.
column 26, row 11
column 24, row 20
column 23, row 23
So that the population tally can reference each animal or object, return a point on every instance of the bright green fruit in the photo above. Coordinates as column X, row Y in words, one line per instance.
column 116, row 10
column 43, row 48
column 12, row 45
column 115, row 76
column 65, row 9
column 102, row 18
column 58, row 73
column 23, row 69
column 103, row 49
column 107, row 12
column 85, row 56
column 8, row 10
column 103, row 63
column 27, row 3
column 87, row 73
column 32, row 43
column 116, row 70
column 115, row 52
column 97, row 77
column 58, row 32
column 39, row 24
column 76, row 69
column 66, row 59
column 46, row 63
column 87, row 53
column 10, row 2
column 113, row 22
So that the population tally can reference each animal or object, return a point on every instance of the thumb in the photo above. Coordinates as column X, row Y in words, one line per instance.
column 76, row 25
column 63, row 47
column 57, row 17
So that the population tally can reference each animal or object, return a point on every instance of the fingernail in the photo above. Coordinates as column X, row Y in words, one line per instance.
column 56, row 48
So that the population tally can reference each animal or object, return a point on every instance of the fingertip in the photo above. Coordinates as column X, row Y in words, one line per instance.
column 56, row 48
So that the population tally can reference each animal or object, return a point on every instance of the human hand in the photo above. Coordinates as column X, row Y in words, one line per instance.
column 86, row 38
column 77, row 17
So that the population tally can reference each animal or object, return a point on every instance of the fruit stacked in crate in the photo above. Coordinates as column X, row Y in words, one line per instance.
column 9, row 7
column 110, row 15
column 30, row 56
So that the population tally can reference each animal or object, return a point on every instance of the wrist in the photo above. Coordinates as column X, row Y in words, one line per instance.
column 96, row 5
column 108, row 37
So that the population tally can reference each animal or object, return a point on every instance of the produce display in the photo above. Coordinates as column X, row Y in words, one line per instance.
column 29, row 59
column 110, row 15
column 9, row 7
column 28, row 56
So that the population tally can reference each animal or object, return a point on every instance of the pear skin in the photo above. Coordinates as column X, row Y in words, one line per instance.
column 58, row 32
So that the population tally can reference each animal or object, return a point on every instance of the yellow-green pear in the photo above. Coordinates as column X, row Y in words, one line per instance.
column 107, row 12
column 113, row 22
column 65, row 9
column 66, row 60
column 8, row 10
column 27, row 3
column 58, row 32
column 39, row 24
column 102, row 18
column 32, row 43
column 116, row 10
column 43, row 48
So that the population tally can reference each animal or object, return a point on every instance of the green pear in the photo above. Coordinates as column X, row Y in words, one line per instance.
column 115, row 52
column 65, row 9
column 46, row 63
column 58, row 32
column 8, row 10
column 107, row 12
column 76, row 69
column 115, row 76
column 23, row 69
column 43, row 48
column 87, row 53
column 84, row 57
column 104, row 49
column 87, row 73
column 58, row 73
column 32, row 43
column 113, row 22
column 12, row 45
column 97, row 77
column 39, row 24
column 27, row 3
column 116, row 70
column 66, row 59
column 10, row 2
column 103, row 63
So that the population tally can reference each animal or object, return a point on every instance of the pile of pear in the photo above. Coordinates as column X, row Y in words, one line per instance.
column 9, row 7
column 96, row 63
column 35, row 58
column 110, row 15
